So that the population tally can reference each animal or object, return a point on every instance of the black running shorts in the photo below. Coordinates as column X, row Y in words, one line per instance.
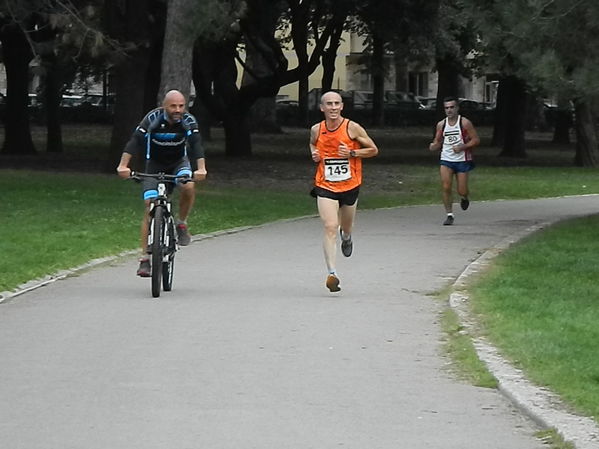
column 348, row 198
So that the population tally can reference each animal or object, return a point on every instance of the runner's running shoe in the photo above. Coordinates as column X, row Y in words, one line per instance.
column 464, row 203
column 347, row 245
column 333, row 283
column 448, row 221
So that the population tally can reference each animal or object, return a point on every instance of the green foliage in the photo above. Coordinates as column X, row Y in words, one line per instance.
column 553, row 45
column 216, row 20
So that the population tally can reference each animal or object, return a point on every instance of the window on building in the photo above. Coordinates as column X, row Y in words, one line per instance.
column 418, row 83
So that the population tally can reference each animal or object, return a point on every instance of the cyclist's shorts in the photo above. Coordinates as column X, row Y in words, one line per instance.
column 347, row 198
column 150, row 186
column 459, row 167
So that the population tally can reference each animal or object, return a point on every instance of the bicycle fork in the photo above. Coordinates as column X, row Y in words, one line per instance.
column 167, row 238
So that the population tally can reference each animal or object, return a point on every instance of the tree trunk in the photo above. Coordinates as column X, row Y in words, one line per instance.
column 263, row 114
column 300, row 45
column 128, row 109
column 129, row 22
column 378, row 80
column 328, row 60
column 514, row 144
column 401, row 70
column 204, row 117
column 501, row 112
column 448, row 85
column 535, row 114
column 563, row 123
column 16, row 57
column 214, row 76
column 152, row 84
column 178, row 48
column 238, row 142
column 587, row 152
column 52, row 96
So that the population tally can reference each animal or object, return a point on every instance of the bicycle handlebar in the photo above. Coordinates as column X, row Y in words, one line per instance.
column 137, row 176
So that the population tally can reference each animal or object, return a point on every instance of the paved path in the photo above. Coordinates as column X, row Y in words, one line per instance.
column 251, row 351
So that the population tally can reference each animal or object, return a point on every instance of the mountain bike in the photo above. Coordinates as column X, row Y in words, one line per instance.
column 162, row 235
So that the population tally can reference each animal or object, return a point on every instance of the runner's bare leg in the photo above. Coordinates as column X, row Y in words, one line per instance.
column 462, row 184
column 328, row 210
column 347, row 214
column 446, row 182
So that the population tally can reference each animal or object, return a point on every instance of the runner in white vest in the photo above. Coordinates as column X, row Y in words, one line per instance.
column 455, row 137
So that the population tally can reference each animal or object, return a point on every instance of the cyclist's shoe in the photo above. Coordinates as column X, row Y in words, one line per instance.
column 333, row 283
column 183, row 235
column 145, row 269
column 347, row 245
column 464, row 203
column 448, row 221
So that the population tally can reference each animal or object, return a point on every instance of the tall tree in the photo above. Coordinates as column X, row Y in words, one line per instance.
column 262, row 115
column 511, row 116
column 392, row 28
column 139, row 26
column 57, row 35
column 17, row 53
column 215, row 69
column 314, row 24
column 178, row 47
column 554, row 45
column 454, row 38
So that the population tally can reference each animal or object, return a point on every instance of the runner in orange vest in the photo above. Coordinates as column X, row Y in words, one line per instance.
column 338, row 146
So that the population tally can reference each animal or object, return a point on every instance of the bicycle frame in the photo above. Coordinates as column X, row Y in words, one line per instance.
column 163, row 201
column 162, row 237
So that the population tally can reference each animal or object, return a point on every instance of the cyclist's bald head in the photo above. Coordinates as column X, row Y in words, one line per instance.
column 173, row 96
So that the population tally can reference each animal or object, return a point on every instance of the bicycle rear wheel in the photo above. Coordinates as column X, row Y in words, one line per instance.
column 168, row 266
column 157, row 249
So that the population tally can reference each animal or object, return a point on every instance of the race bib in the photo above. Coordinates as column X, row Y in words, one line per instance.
column 452, row 139
column 336, row 170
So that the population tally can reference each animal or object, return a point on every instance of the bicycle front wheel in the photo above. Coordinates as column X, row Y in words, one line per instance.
column 168, row 266
column 157, row 249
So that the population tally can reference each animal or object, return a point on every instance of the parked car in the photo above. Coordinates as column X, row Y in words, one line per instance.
column 70, row 101
column 98, row 100
column 402, row 100
column 467, row 105
column 362, row 99
column 287, row 103
column 428, row 102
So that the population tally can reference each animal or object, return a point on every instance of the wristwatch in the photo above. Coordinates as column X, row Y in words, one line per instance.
column 352, row 153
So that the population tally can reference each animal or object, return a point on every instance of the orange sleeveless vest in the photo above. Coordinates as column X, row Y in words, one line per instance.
column 333, row 172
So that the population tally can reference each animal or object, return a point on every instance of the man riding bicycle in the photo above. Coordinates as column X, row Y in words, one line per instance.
column 170, row 141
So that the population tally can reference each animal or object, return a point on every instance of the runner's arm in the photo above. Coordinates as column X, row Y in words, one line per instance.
column 313, row 137
column 437, row 142
column 368, row 147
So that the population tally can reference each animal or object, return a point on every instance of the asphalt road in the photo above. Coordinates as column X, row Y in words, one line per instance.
column 250, row 350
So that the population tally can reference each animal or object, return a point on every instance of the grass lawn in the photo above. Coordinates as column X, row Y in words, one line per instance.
column 539, row 304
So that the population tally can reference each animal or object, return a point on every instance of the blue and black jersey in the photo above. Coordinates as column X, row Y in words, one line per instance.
column 164, row 142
